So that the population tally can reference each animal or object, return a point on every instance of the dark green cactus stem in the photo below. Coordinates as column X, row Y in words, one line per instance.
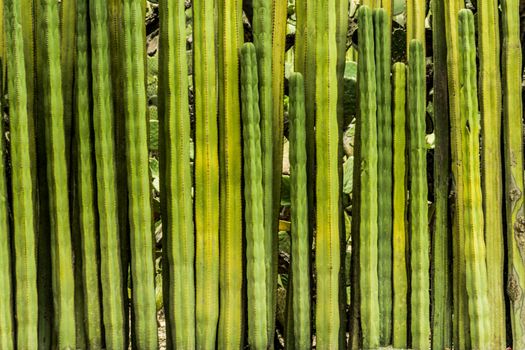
column 253, row 211
column 476, row 271
column 513, row 141
column 461, row 335
column 207, row 176
column 328, row 254
column 140, row 220
column 53, row 109
column 492, row 176
column 24, row 234
column 365, row 168
column 230, row 162
column 399, row 210
column 384, row 167
column 441, row 281
column 85, row 173
column 418, row 204
column 107, row 199
column 300, row 264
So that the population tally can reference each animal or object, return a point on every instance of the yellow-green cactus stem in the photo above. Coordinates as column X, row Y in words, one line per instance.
column 140, row 216
column 418, row 204
column 206, row 175
column 253, row 211
column 230, row 162
column 415, row 17
column 399, row 210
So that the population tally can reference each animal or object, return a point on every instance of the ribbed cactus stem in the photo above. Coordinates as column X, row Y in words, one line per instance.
column 365, row 169
column 418, row 204
column 399, row 210
column 476, row 272
column 207, row 176
column 513, row 141
column 415, row 17
column 328, row 220
column 384, row 168
column 231, row 254
column 103, row 125
column 253, row 211
column 140, row 215
column 300, row 264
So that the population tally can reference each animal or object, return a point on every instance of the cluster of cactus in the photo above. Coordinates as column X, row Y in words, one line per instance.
column 77, row 177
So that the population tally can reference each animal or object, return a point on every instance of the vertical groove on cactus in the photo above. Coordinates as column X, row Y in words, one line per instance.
column 328, row 254
column 230, row 34
column 461, row 335
column 206, row 176
column 24, row 234
column 107, row 200
column 365, row 170
column 476, row 272
column 399, row 210
column 384, row 167
column 418, row 204
column 300, row 263
column 415, row 17
column 53, row 109
column 513, row 141
column 441, row 281
column 492, row 176
column 140, row 220
column 253, row 211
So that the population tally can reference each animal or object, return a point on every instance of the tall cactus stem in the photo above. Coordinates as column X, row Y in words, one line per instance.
column 415, row 17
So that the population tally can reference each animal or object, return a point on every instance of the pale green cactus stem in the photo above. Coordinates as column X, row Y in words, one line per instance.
column 140, row 215
column 231, row 254
column 300, row 263
column 475, row 253
column 328, row 243
column 384, row 168
column 253, row 211
column 53, row 109
column 418, row 204
column 441, row 286
column 365, row 172
column 461, row 330
column 206, row 176
column 399, row 210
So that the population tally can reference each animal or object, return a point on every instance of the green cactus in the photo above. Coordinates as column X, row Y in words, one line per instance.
column 441, row 286
column 399, row 210
column 61, row 252
column 418, row 207
column 207, row 176
column 230, row 311
column 300, row 263
column 513, row 141
column 476, row 272
column 384, row 167
column 365, row 172
column 253, row 211
column 415, row 17
column 103, row 124
column 328, row 254
column 140, row 220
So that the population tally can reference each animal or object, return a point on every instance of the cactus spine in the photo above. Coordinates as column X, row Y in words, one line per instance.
column 418, row 211
column 513, row 132
column 365, row 170
column 441, row 286
column 328, row 254
column 230, row 319
column 300, row 264
column 384, row 167
column 142, row 270
column 476, row 273
column 254, row 212
column 207, row 176
column 399, row 240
